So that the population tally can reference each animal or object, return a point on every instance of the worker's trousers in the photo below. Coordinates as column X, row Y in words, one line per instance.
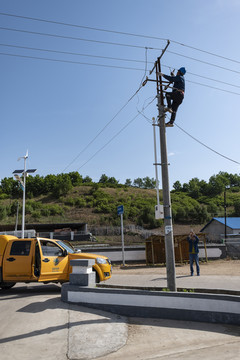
column 174, row 99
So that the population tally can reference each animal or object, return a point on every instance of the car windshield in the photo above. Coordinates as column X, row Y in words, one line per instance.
column 65, row 246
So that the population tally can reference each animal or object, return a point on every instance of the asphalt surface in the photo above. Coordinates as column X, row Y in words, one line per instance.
column 36, row 324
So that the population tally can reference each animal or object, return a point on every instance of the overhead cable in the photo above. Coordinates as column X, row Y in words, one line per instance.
column 213, row 87
column 121, row 33
column 98, row 151
column 208, row 147
column 108, row 66
column 70, row 61
column 119, row 132
column 100, row 132
column 116, row 44
column 203, row 62
column 110, row 58
column 70, row 53
column 76, row 38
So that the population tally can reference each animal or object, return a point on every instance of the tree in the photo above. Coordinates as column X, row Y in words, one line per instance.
column 62, row 185
column 76, row 178
column 49, row 183
column 177, row 186
column 194, row 189
column 35, row 185
column 138, row 182
column 237, row 208
column 103, row 179
column 217, row 184
column 149, row 183
column 128, row 182
column 9, row 186
column 87, row 180
column 112, row 181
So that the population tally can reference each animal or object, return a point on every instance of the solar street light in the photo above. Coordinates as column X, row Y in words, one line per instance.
column 24, row 173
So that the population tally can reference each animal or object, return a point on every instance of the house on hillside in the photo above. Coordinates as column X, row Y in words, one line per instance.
column 215, row 229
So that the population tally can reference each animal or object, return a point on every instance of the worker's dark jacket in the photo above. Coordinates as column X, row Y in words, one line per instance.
column 193, row 245
column 178, row 82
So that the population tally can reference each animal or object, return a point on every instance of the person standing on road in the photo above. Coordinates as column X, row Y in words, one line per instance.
column 193, row 241
column 175, row 98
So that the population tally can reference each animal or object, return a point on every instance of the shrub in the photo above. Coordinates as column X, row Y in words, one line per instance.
column 3, row 212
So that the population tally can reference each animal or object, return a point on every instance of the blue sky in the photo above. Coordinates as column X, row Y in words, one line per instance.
column 54, row 109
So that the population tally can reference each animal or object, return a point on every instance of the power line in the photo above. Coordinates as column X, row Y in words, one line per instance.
column 203, row 62
column 76, row 38
column 70, row 61
column 116, row 44
column 107, row 66
column 100, row 132
column 119, row 132
column 98, row 151
column 70, row 53
column 83, row 27
column 208, row 78
column 212, row 87
column 208, row 147
column 121, row 33
column 110, row 58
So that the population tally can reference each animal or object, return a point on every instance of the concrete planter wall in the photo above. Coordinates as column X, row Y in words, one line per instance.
column 164, row 305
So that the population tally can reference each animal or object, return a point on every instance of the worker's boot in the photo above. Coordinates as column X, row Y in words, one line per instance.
column 168, row 109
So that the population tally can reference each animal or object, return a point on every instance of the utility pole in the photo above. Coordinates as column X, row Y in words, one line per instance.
column 169, row 244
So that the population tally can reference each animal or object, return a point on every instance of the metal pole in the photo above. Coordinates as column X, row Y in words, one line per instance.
column 169, row 244
column 24, row 196
column 225, row 214
column 122, row 236
column 155, row 158
column 16, row 224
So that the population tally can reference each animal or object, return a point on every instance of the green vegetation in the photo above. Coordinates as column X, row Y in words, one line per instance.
column 71, row 197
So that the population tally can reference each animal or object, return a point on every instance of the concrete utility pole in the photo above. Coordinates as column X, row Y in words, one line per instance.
column 169, row 244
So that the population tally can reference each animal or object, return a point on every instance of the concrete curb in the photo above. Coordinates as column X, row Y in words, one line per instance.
column 213, row 308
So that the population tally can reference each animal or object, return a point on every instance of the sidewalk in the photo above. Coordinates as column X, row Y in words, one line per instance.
column 205, row 283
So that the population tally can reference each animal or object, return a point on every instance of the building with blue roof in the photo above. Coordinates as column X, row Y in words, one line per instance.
column 215, row 229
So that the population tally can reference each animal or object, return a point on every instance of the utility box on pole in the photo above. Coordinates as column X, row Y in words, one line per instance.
column 159, row 214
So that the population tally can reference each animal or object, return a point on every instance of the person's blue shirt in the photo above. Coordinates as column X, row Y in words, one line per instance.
column 178, row 82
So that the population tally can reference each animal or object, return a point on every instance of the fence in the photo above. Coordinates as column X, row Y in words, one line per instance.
column 155, row 248
column 116, row 230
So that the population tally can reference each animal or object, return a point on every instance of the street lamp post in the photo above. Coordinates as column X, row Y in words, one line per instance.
column 225, row 212
column 24, row 173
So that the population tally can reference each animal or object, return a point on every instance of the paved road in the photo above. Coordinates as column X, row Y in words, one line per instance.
column 36, row 324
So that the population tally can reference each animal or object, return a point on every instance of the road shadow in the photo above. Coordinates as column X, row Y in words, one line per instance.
column 56, row 303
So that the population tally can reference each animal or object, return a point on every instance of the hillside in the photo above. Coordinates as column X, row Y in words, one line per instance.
column 91, row 204
column 70, row 198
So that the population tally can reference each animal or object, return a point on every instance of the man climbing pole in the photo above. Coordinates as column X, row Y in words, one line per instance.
column 175, row 98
